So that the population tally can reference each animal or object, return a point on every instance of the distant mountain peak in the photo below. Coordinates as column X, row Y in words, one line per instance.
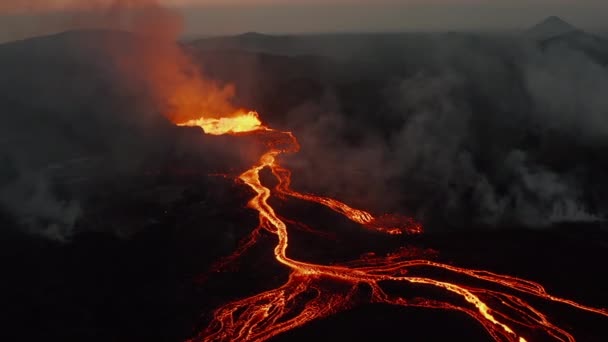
column 551, row 27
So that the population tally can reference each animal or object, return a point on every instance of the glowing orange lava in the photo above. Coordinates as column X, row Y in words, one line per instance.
column 495, row 300
column 238, row 123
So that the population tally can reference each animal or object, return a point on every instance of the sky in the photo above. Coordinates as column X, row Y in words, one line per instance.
column 301, row 16
column 217, row 17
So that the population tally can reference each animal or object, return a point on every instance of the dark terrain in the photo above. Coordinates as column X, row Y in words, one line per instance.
column 112, row 217
column 154, row 286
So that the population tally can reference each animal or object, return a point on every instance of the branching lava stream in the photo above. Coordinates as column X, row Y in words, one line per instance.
column 495, row 301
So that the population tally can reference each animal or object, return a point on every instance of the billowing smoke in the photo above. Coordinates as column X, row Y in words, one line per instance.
column 162, row 66
column 458, row 130
column 84, row 107
column 156, row 61
column 462, row 131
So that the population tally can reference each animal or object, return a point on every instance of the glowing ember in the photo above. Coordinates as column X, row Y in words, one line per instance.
column 498, row 307
column 241, row 122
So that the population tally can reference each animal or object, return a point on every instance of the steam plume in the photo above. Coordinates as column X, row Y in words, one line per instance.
column 116, row 117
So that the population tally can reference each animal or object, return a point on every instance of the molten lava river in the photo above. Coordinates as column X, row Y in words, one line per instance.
column 498, row 302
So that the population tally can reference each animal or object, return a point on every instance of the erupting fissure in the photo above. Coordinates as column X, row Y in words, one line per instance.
column 240, row 122
column 495, row 301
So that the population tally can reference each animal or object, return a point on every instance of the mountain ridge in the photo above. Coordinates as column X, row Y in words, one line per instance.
column 551, row 27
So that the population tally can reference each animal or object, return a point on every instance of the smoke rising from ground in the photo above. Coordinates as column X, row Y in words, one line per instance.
column 85, row 106
column 497, row 132
column 458, row 130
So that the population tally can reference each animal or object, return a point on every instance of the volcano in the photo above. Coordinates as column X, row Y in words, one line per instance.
column 379, row 194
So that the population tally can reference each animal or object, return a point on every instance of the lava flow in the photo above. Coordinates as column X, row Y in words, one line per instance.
column 313, row 291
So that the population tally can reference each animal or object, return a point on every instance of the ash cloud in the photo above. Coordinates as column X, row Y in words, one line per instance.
column 84, row 110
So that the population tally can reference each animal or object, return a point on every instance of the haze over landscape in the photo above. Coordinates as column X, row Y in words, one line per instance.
column 214, row 17
column 299, row 170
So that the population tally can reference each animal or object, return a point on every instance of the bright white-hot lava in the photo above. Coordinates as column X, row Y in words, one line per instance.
column 238, row 123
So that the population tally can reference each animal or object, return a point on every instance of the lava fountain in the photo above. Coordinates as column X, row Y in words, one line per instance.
column 238, row 123
column 498, row 302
